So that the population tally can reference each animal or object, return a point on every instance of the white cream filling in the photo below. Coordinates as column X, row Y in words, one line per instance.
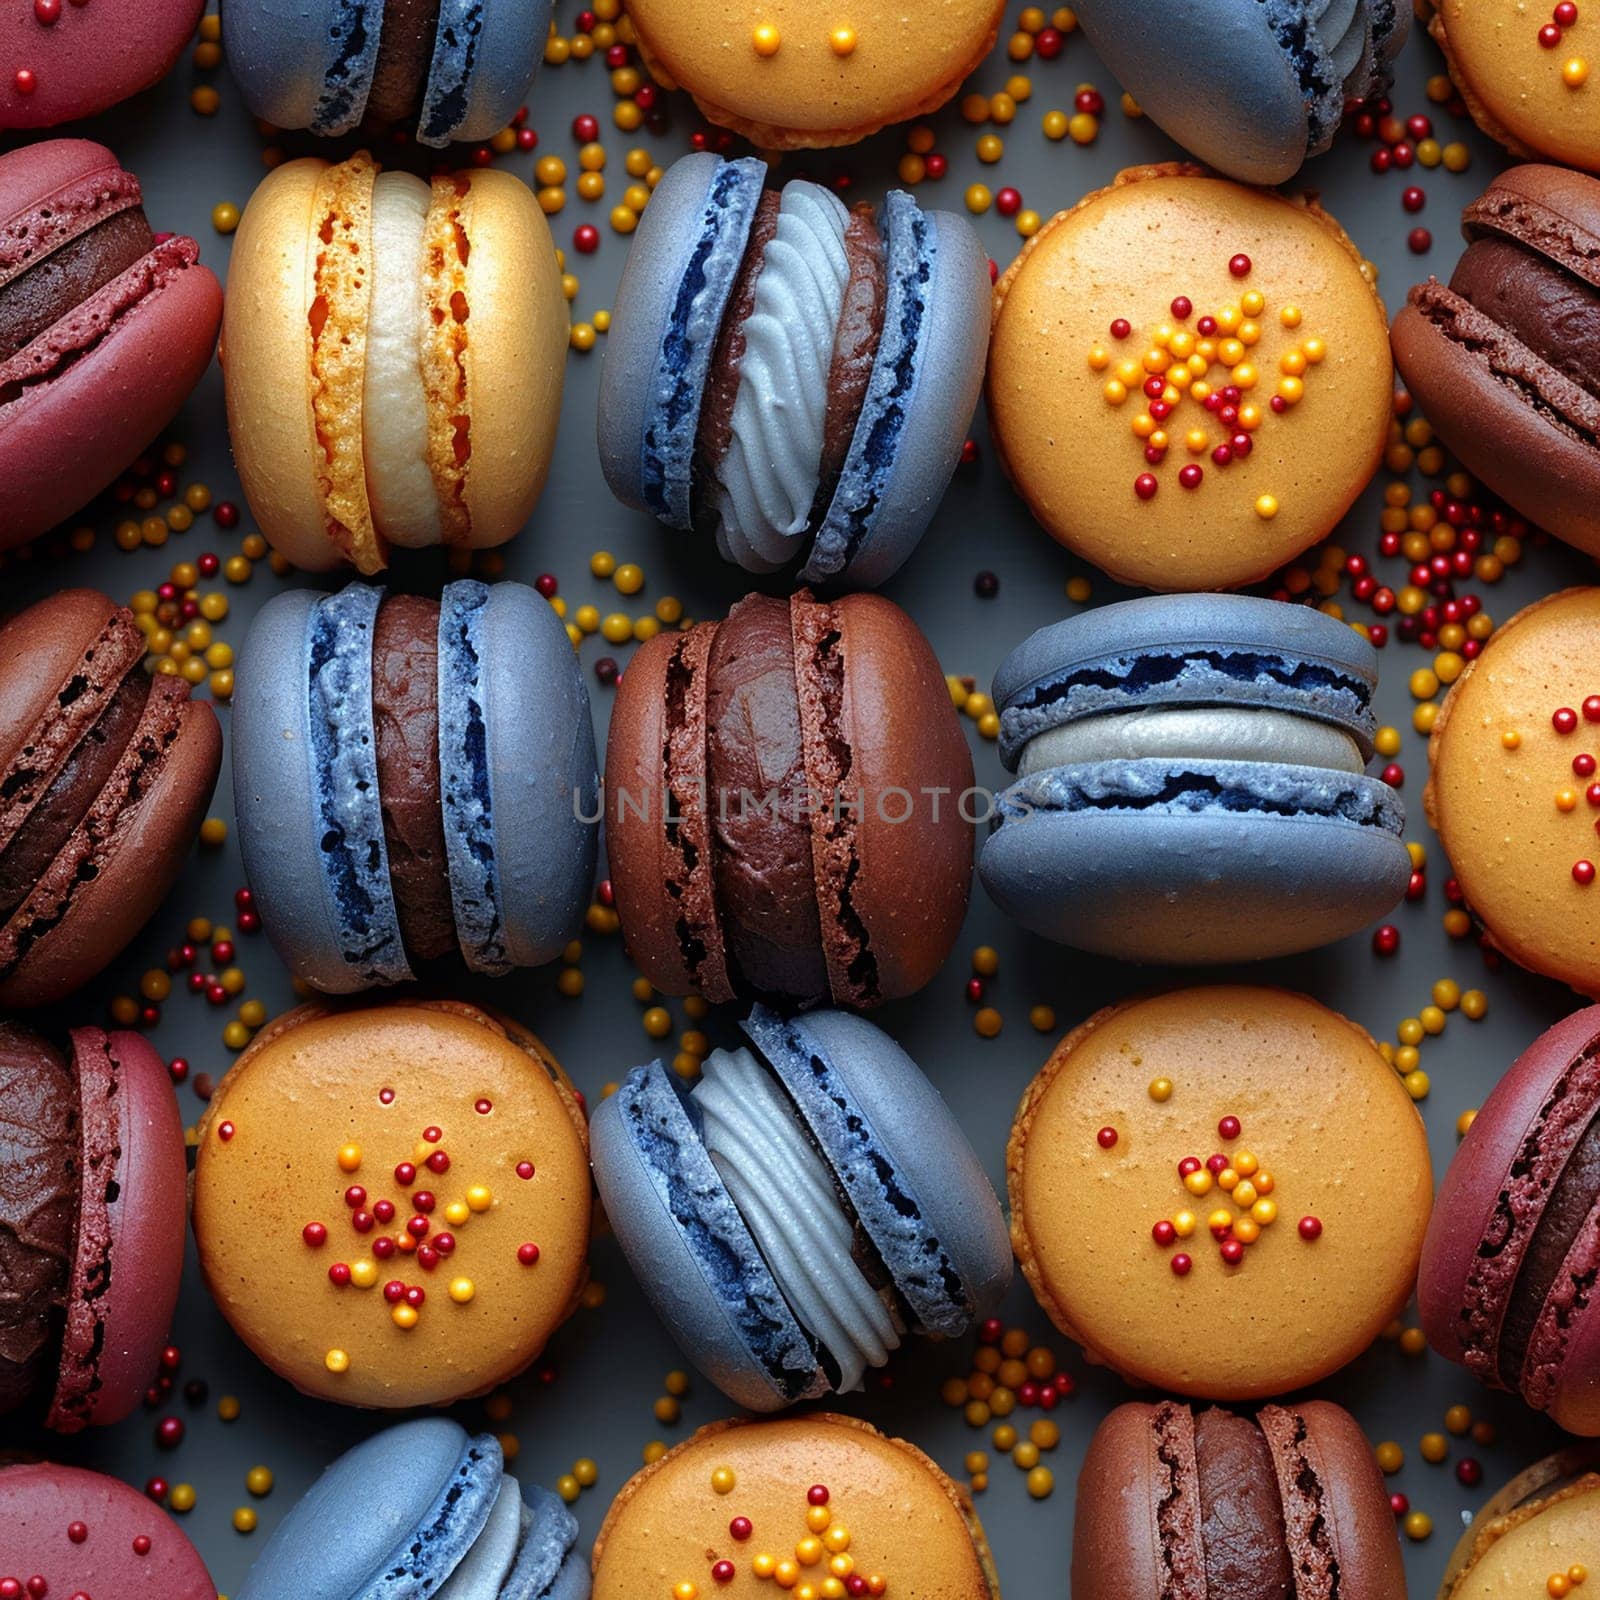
column 785, row 1194
column 768, row 477
column 486, row 1566
column 1212, row 733
column 394, row 405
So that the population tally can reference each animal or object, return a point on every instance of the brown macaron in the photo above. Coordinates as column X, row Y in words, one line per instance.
column 1505, row 359
column 1288, row 1505
column 784, row 805
column 107, row 774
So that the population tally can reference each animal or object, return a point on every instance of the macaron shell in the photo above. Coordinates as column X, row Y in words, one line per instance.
column 484, row 59
column 277, row 51
column 541, row 755
column 420, row 1487
column 1212, row 75
column 516, row 365
column 907, row 1521
column 1548, row 1539
column 1509, row 846
column 42, row 1500
column 806, row 95
column 1116, row 1539
column 919, row 402
column 266, row 366
column 311, row 1083
column 1195, row 861
column 66, row 438
column 1512, row 84
column 88, row 59
column 76, row 921
column 1318, row 1107
column 692, row 1251
column 913, row 1179
column 1187, row 650
column 138, row 1288
column 1066, row 448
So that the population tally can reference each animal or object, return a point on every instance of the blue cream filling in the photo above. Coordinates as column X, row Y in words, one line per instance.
column 465, row 780
column 344, row 780
column 662, row 1130
column 353, row 30
column 924, row 1274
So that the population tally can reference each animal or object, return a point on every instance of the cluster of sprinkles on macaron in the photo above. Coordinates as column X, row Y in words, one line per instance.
column 1574, row 69
column 1566, row 722
column 1178, row 365
column 821, row 1567
column 1563, row 1583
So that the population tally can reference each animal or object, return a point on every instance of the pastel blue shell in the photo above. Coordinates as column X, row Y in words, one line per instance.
column 690, row 1249
column 485, row 55
column 548, row 1566
column 1184, row 862
column 306, row 789
column 1187, row 650
column 304, row 63
column 926, row 377
column 911, row 1175
column 675, row 288
column 389, row 1520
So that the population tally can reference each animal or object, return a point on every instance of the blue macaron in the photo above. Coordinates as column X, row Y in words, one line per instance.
column 789, row 377
column 451, row 69
column 422, row 1510
column 1192, row 782
column 439, row 800
column 1252, row 87
column 801, row 1208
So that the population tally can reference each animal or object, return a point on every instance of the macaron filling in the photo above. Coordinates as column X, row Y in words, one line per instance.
column 789, row 1200
column 400, row 69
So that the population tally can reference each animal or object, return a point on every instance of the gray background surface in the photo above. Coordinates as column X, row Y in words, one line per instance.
column 610, row 1361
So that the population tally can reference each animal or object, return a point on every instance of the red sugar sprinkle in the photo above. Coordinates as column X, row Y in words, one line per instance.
column 1228, row 1128
column 339, row 1274
column 817, row 1495
column 483, row 1107
column 315, row 1234
column 225, row 1132
column 1239, row 266
column 527, row 1254
column 740, row 1528
column 1181, row 1264
column 431, row 1135
column 722, row 1571
column 1564, row 720
column 1106, row 1138
column 1583, row 873
column 386, row 1097
column 141, row 1547
column 77, row 1532
column 524, row 1169
column 1310, row 1229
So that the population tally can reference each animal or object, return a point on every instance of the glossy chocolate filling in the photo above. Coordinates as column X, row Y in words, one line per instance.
column 38, row 1209
column 1241, row 1512
column 405, row 717
column 75, row 787
column 405, row 57
column 1552, row 311
column 36, row 299
column 1566, row 1212
column 760, row 801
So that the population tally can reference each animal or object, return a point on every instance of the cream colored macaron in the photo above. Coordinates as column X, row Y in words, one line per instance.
column 393, row 353
column 1189, row 380
column 799, row 74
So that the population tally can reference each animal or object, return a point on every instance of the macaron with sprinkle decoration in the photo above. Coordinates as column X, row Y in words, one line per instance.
column 1537, row 1535
column 1275, row 382
column 1280, row 1110
column 366, row 1184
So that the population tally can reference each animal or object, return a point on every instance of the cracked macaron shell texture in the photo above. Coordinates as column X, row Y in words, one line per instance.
column 310, row 1083
column 890, row 882
column 62, row 662
column 1319, row 1108
column 88, row 58
column 94, row 387
column 907, row 1520
column 1251, row 89
column 43, row 1500
column 1497, row 1207
column 1310, row 1512
column 1509, row 846
column 809, row 94
column 1503, row 358
column 1512, row 83
column 1071, row 455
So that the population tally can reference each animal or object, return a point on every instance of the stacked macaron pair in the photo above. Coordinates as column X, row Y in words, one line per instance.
column 415, row 780
column 791, row 376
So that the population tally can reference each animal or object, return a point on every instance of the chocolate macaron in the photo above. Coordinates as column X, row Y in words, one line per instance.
column 1214, row 1506
column 1513, row 1247
column 1505, row 359
column 784, row 804
column 107, row 771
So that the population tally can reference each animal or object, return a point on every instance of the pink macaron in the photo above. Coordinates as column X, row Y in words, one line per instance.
column 105, row 327
column 65, row 59
column 1514, row 1243
column 65, row 1531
